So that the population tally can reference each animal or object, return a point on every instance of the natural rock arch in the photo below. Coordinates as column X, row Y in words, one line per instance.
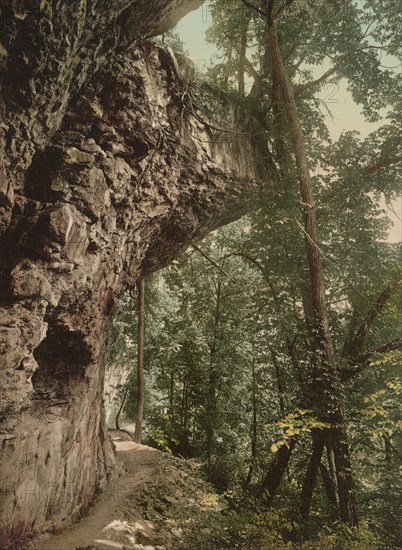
column 106, row 175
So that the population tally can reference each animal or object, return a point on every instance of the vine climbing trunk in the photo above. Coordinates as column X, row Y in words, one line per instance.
column 325, row 379
column 140, row 360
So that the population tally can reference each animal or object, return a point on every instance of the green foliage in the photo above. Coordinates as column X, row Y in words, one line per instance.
column 251, row 528
column 342, row 537
column 172, row 40
column 296, row 423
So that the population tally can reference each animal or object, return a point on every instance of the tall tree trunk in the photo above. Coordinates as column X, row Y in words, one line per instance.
column 183, row 402
column 347, row 504
column 325, row 376
column 279, row 381
column 242, row 59
column 256, row 89
column 210, row 421
column 228, row 64
column 171, row 392
column 279, row 131
column 213, row 377
column 254, row 426
column 140, row 360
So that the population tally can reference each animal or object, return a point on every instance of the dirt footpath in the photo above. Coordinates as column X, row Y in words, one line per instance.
column 105, row 526
column 160, row 502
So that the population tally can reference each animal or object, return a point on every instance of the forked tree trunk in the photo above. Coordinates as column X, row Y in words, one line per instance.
column 140, row 360
column 325, row 376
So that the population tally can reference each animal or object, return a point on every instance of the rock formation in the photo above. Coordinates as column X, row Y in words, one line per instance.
column 107, row 172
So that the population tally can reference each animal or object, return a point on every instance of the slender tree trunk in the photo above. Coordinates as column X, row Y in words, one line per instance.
column 228, row 64
column 256, row 90
column 171, row 392
column 254, row 426
column 279, row 131
column 213, row 378
column 311, row 475
column 332, row 474
column 184, row 441
column 212, row 382
column 183, row 401
column 275, row 472
column 140, row 360
column 123, row 401
column 279, row 381
column 325, row 376
column 329, row 490
column 242, row 60
column 323, row 340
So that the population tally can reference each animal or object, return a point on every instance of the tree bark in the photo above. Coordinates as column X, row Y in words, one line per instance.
column 123, row 401
column 276, row 470
column 329, row 487
column 242, row 60
column 256, row 90
column 325, row 375
column 228, row 64
column 311, row 475
column 355, row 342
column 254, row 420
column 279, row 381
column 140, row 360
column 213, row 377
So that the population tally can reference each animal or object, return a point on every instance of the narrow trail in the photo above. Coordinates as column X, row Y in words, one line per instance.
column 104, row 527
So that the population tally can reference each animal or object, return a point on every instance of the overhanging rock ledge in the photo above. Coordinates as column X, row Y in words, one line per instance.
column 106, row 174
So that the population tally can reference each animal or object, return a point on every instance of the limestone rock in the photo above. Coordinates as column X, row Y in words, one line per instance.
column 107, row 175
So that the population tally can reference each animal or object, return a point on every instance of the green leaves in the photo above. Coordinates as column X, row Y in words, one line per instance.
column 296, row 423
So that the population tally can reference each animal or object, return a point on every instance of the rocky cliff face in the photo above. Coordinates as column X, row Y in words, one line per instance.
column 107, row 172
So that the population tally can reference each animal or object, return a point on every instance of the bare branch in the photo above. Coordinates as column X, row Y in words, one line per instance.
column 283, row 7
column 211, row 261
column 353, row 345
column 313, row 83
column 253, row 7
column 382, row 164
column 365, row 361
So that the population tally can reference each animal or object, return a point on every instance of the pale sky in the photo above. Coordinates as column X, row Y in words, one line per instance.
column 346, row 114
